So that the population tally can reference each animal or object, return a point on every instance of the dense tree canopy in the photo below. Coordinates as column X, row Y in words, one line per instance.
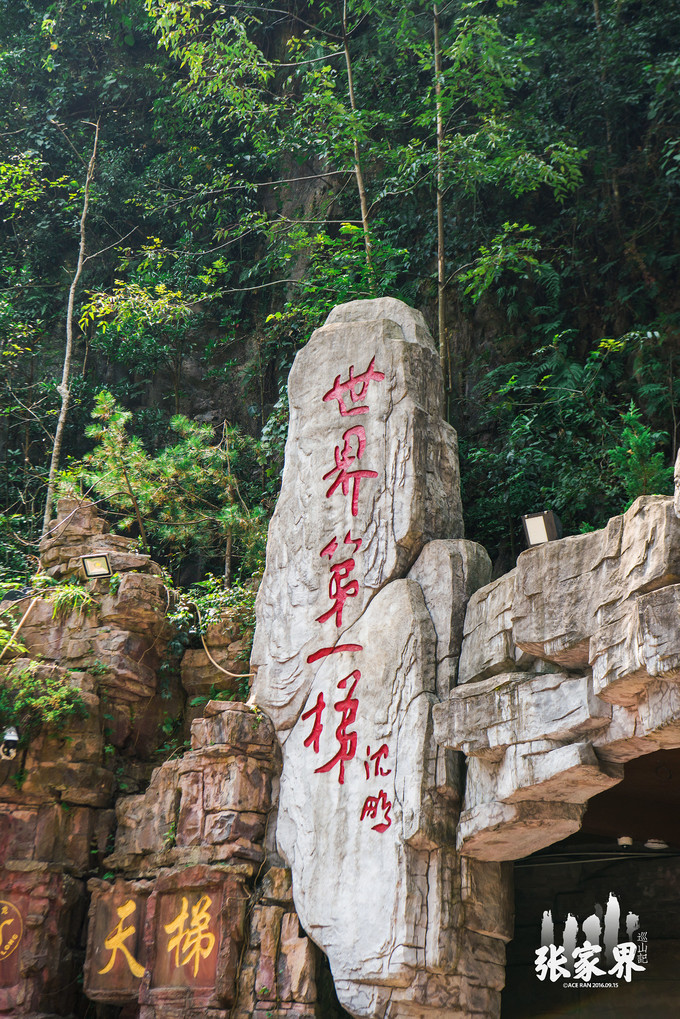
column 511, row 167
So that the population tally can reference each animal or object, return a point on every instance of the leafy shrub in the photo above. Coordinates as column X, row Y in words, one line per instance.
column 209, row 602
column 637, row 462
column 33, row 697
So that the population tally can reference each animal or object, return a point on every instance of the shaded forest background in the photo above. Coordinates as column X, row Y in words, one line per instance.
column 510, row 168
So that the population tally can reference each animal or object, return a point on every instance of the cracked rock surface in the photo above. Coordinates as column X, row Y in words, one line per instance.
column 368, row 802
column 569, row 667
column 413, row 497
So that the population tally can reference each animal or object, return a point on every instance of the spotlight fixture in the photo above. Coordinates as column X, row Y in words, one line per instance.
column 97, row 565
column 10, row 742
column 656, row 844
column 541, row 527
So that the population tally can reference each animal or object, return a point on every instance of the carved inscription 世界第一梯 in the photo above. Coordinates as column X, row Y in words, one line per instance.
column 347, row 477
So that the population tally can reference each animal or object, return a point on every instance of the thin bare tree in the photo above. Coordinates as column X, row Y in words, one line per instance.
column 363, row 201
column 441, row 274
column 64, row 389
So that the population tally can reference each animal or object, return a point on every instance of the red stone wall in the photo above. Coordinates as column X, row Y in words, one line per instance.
column 189, row 912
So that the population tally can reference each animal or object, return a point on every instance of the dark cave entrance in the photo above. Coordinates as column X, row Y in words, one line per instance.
column 578, row 874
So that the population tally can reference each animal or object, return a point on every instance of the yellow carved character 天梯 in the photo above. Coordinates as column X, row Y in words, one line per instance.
column 115, row 941
column 193, row 943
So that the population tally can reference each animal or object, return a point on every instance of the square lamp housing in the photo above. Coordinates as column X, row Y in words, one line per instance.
column 541, row 527
column 97, row 565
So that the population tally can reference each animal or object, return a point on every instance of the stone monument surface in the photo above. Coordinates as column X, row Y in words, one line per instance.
column 352, row 652
column 569, row 667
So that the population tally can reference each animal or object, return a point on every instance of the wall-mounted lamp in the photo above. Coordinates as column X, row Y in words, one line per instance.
column 541, row 527
column 10, row 742
column 97, row 565
column 657, row 844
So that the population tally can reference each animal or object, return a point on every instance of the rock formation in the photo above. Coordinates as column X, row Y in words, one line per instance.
column 368, row 457
column 568, row 668
column 193, row 850
column 413, row 728
column 186, row 857
column 353, row 652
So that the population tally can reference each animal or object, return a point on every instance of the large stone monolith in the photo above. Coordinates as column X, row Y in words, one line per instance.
column 347, row 649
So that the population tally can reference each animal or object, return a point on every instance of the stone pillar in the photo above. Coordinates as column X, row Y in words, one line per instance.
column 199, row 919
column 569, row 667
column 352, row 652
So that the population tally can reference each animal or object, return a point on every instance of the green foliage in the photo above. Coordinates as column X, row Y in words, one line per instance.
column 226, row 222
column 70, row 597
column 146, row 321
column 336, row 272
column 555, row 423
column 214, row 601
column 504, row 254
column 20, row 183
column 637, row 462
column 196, row 496
column 10, row 645
column 66, row 597
column 170, row 836
column 33, row 697
column 209, row 602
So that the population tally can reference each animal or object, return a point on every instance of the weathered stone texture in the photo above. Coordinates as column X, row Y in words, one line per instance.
column 339, row 860
column 196, row 840
column 211, row 805
column 55, row 823
column 495, row 713
column 487, row 647
column 449, row 572
column 414, row 498
column 568, row 668
column 79, row 530
column 123, row 634
column 190, row 846
column 368, row 802
column 199, row 674
column 41, row 974
column 591, row 577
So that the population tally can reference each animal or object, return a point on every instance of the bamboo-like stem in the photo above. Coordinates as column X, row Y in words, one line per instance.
column 441, row 273
column 19, row 625
column 63, row 389
column 363, row 201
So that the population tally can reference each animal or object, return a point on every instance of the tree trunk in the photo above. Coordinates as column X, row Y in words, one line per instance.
column 63, row 389
column 614, row 179
column 363, row 202
column 441, row 277
column 135, row 504
column 227, row 559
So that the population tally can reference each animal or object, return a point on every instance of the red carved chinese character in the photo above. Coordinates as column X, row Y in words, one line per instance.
column 317, row 729
column 348, row 740
column 371, row 807
column 343, row 460
column 355, row 386
column 338, row 591
column 376, row 758
column 324, row 652
column 349, row 540
column 330, row 549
